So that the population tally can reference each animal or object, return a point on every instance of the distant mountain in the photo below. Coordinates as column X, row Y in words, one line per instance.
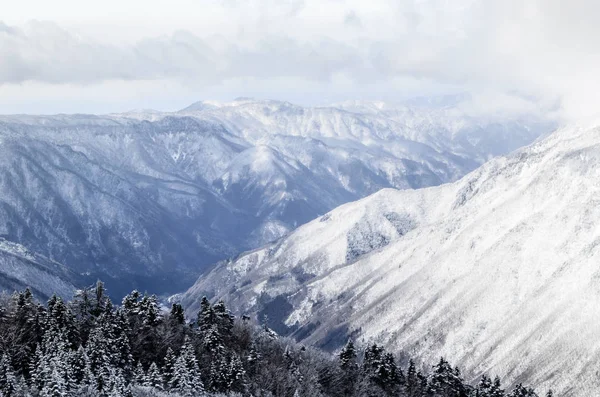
column 21, row 268
column 147, row 200
column 498, row 270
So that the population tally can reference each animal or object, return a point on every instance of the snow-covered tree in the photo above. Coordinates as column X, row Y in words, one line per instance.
column 139, row 375
column 10, row 384
column 169, row 367
column 154, row 378
column 185, row 379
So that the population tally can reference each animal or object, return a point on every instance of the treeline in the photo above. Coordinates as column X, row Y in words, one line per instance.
column 89, row 347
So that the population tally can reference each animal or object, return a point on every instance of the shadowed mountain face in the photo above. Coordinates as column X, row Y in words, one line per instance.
column 21, row 268
column 148, row 200
column 498, row 270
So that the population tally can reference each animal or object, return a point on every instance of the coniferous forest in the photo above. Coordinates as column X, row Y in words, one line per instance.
column 91, row 347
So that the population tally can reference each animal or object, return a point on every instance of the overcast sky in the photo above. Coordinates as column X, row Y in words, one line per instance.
column 103, row 56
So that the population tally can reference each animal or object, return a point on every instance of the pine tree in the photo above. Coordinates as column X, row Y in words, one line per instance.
column 130, row 303
column 53, row 372
column 349, row 366
column 169, row 367
column 10, row 385
column 380, row 367
column 117, row 386
column 87, row 384
column 60, row 317
column 423, row 384
column 412, row 382
column 27, row 331
column 236, row 376
column 117, row 330
column 177, row 315
column 522, row 391
column 446, row 381
column 206, row 315
column 139, row 375
column 224, row 319
column 154, row 378
column 55, row 385
column 149, row 311
column 217, row 375
column 496, row 389
column 185, row 379
column 100, row 303
column 253, row 360
column 348, row 357
column 212, row 342
column 99, row 353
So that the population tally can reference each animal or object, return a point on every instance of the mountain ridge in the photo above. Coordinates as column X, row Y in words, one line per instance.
column 496, row 269
column 146, row 200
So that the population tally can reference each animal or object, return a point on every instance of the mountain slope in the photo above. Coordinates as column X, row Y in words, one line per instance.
column 21, row 268
column 147, row 200
column 498, row 270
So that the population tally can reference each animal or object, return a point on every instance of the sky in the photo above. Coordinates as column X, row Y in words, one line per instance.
column 69, row 56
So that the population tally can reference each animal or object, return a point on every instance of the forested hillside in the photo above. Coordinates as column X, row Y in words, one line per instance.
column 91, row 347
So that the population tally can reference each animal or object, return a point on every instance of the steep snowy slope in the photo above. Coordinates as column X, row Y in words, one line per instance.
column 21, row 268
column 498, row 271
column 147, row 199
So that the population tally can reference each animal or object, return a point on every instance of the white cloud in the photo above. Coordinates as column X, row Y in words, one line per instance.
column 511, row 49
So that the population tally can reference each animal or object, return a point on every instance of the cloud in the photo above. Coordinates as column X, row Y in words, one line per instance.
column 46, row 53
column 536, row 49
column 352, row 19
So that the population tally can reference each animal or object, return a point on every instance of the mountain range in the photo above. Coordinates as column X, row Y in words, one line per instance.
column 149, row 199
column 498, row 270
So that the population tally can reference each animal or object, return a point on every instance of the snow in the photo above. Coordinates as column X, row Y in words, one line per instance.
column 497, row 271
column 147, row 194
column 21, row 268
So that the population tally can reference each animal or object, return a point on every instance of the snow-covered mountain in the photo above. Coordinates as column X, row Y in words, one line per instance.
column 498, row 271
column 148, row 199
column 21, row 268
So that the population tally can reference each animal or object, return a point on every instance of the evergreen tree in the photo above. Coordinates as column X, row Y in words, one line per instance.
column 10, row 385
column 185, row 379
column 496, row 389
column 169, row 367
column 236, row 376
column 381, row 369
column 224, row 320
column 54, row 385
column 446, row 381
column 522, row 391
column 154, row 378
column 99, row 353
column 53, row 372
column 139, row 375
column 252, row 360
column 206, row 316
column 412, row 384
column 60, row 317
column 27, row 331
column 118, row 386
column 86, row 348
column 100, row 303
column 177, row 315
column 349, row 366
column 348, row 357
